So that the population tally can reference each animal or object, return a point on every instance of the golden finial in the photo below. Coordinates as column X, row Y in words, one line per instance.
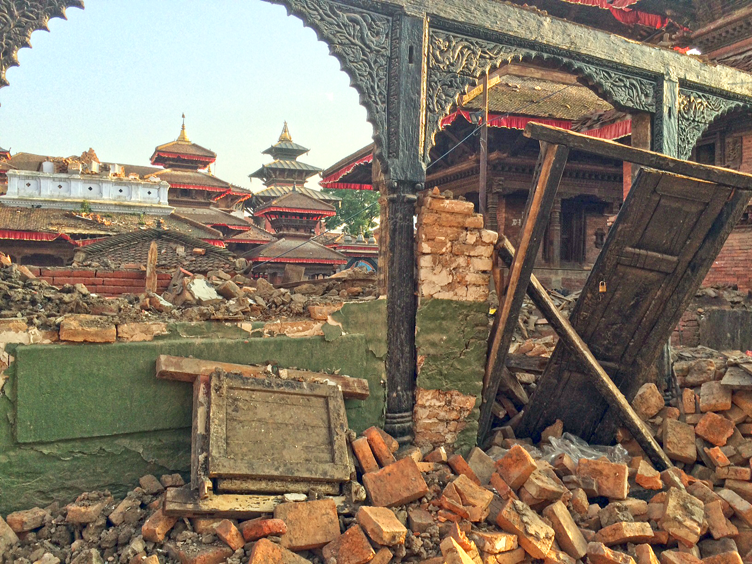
column 285, row 135
column 183, row 135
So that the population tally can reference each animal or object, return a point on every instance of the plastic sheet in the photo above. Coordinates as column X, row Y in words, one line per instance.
column 577, row 448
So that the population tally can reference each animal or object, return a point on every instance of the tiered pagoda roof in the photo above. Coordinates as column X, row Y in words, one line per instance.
column 295, row 214
column 285, row 170
column 182, row 153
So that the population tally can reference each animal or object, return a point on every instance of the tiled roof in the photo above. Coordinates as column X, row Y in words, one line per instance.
column 183, row 148
column 295, row 250
column 72, row 223
column 134, row 248
column 286, row 146
column 274, row 192
column 27, row 161
column 299, row 201
column 255, row 233
column 212, row 216
column 285, row 165
column 191, row 177
column 527, row 96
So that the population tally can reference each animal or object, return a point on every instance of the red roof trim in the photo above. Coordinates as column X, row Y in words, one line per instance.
column 299, row 260
column 235, row 227
column 348, row 186
column 35, row 236
column 333, row 178
column 231, row 193
column 248, row 241
column 506, row 121
column 264, row 211
column 611, row 131
column 215, row 242
column 183, row 156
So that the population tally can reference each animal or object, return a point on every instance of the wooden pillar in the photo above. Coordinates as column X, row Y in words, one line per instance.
column 483, row 176
column 666, row 119
column 378, row 183
column 555, row 230
column 642, row 138
column 492, row 222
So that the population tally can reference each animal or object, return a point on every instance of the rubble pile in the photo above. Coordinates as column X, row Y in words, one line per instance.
column 216, row 296
column 560, row 501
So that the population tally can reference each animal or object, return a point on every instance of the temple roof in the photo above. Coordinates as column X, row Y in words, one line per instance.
column 253, row 235
column 182, row 152
column 262, row 173
column 285, row 148
column 134, row 248
column 192, row 179
column 274, row 192
column 213, row 216
column 298, row 202
column 74, row 223
column 295, row 250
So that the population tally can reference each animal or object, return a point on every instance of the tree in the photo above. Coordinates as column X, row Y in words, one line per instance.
column 358, row 209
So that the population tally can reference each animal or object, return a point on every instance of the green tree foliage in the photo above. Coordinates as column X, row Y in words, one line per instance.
column 354, row 211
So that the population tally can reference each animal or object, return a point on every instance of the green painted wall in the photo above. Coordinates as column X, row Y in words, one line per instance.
column 75, row 418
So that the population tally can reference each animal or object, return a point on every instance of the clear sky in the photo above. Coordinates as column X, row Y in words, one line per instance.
column 117, row 76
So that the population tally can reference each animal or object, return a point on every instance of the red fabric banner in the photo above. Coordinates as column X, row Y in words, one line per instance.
column 611, row 131
column 506, row 121
column 331, row 181
column 35, row 236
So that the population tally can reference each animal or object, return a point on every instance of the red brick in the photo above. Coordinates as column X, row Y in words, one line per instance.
column 714, row 428
column 515, row 467
column 533, row 534
column 267, row 552
column 598, row 553
column 352, row 547
column 611, row 479
column 381, row 525
column 260, row 528
column 156, row 527
column 229, row 533
column 396, row 484
column 364, row 455
column 460, row 466
column 379, row 447
column 310, row 524
column 25, row 521
column 133, row 274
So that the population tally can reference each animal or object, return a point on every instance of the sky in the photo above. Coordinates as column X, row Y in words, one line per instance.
column 117, row 76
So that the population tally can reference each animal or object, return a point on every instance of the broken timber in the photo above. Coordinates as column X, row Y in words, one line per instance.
column 598, row 376
column 188, row 369
column 184, row 502
column 672, row 226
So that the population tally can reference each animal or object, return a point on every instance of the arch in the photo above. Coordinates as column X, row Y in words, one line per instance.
column 456, row 63
column 697, row 112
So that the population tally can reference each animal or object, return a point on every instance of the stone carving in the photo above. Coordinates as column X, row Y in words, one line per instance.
column 697, row 110
column 456, row 62
column 360, row 40
column 19, row 19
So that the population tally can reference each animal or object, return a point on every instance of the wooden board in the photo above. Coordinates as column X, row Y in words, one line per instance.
column 185, row 369
column 249, row 485
column 184, row 502
column 272, row 429
column 656, row 255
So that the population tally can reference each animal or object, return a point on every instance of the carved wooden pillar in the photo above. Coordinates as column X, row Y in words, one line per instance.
column 492, row 222
column 666, row 118
column 554, row 227
column 378, row 183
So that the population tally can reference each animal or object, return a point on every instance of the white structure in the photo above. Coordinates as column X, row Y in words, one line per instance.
column 102, row 193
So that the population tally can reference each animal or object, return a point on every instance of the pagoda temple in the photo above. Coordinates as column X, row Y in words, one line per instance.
column 187, row 168
column 285, row 170
column 294, row 218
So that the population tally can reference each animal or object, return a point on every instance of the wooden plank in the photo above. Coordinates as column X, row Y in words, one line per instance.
column 523, row 363
column 611, row 149
column 552, row 160
column 184, row 502
column 250, row 485
column 200, row 481
column 593, row 369
column 270, row 430
column 185, row 369
column 625, row 328
column 737, row 378
column 151, row 268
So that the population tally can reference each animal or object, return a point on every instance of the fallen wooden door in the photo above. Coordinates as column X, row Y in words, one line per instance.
column 662, row 245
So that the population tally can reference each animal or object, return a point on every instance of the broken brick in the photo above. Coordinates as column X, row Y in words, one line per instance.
column 473, row 495
column 679, row 441
column 568, row 535
column 734, row 473
column 714, row 428
column 379, row 447
column 8, row 538
column 714, row 396
column 501, row 487
column 310, row 524
column 533, row 534
column 260, row 528
column 719, row 526
column 396, row 484
column 611, row 478
column 599, row 553
column 460, row 466
column 24, row 521
column 645, row 554
column 717, row 456
column 381, row 525
column 481, row 464
column 623, row 532
column 648, row 401
column 351, row 547
column 495, row 543
column 678, row 557
column 88, row 329
column 229, row 534
column 648, row 477
column 267, row 552
column 515, row 467
column 742, row 508
column 689, row 401
column 453, row 553
column 683, row 516
column 419, row 520
column 364, row 455
column 156, row 527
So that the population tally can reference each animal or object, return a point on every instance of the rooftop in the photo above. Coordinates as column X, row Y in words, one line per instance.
column 295, row 251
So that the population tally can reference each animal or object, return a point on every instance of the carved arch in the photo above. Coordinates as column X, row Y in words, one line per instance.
column 19, row 19
column 361, row 41
column 697, row 111
column 457, row 62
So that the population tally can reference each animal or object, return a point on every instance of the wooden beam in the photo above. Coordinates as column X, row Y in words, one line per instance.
column 184, row 502
column 553, row 159
column 151, row 268
column 184, row 369
column 642, row 157
column 599, row 378
column 483, row 176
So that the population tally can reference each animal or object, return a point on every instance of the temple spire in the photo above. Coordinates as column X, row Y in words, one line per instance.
column 183, row 135
column 285, row 136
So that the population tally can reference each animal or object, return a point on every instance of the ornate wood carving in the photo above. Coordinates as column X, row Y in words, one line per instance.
column 456, row 62
column 697, row 110
column 361, row 41
column 19, row 19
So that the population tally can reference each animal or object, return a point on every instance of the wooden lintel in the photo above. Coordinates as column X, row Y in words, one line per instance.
column 598, row 376
column 184, row 502
column 642, row 157
column 185, row 369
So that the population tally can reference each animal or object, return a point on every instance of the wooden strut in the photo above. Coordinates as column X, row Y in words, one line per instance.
column 551, row 163
column 593, row 369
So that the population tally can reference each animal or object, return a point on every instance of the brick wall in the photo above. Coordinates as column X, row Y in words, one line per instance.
column 108, row 283
column 687, row 332
column 734, row 263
